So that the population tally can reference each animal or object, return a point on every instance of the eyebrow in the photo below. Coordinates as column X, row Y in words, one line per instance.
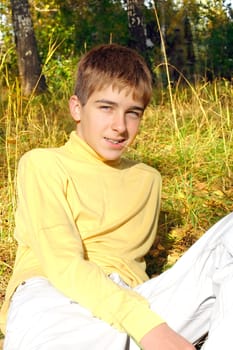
column 115, row 104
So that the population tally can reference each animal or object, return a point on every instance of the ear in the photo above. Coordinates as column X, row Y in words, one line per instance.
column 75, row 105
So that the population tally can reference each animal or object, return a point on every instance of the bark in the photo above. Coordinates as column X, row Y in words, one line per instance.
column 29, row 63
column 136, row 26
column 137, row 29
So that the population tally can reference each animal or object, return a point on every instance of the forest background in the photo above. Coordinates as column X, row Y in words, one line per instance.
column 187, row 130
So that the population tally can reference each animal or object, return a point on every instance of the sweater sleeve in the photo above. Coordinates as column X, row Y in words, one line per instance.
column 45, row 217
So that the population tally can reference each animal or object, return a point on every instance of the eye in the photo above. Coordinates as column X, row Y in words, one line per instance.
column 105, row 108
column 134, row 114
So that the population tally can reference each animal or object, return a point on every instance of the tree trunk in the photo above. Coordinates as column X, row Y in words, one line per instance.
column 137, row 29
column 188, row 41
column 29, row 63
column 136, row 26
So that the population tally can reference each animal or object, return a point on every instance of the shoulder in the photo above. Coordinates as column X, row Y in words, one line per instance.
column 42, row 166
column 40, row 158
column 38, row 154
column 141, row 167
column 150, row 175
column 148, row 169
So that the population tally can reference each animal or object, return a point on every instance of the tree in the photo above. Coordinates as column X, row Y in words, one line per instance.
column 95, row 22
column 219, row 42
column 29, row 64
column 136, row 25
column 138, row 39
column 179, row 43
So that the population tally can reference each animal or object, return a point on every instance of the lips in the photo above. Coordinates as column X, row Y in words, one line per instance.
column 114, row 141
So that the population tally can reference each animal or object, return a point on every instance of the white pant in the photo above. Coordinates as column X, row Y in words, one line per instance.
column 194, row 296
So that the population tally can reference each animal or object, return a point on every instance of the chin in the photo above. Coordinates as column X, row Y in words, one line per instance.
column 111, row 159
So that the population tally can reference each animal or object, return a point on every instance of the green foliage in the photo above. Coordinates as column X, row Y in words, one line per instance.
column 220, row 61
column 8, row 61
column 198, row 36
column 60, row 75
column 50, row 25
column 78, row 25
column 100, row 22
column 216, row 39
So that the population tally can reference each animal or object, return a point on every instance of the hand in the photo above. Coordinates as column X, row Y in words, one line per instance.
column 163, row 337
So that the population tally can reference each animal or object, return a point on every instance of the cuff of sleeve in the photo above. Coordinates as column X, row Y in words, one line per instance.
column 140, row 323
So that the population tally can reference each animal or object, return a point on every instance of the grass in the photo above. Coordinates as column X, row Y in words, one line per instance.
column 192, row 148
column 195, row 160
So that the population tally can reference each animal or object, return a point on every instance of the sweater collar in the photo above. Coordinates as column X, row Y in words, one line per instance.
column 77, row 146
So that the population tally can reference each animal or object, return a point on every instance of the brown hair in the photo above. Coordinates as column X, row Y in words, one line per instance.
column 114, row 65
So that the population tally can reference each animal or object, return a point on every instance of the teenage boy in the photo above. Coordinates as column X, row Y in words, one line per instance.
column 85, row 219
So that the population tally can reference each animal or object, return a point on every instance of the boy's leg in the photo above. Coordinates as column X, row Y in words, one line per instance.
column 41, row 318
column 195, row 295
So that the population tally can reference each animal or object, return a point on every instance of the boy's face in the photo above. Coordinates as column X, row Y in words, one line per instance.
column 109, row 121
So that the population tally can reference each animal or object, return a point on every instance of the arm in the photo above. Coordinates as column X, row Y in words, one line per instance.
column 163, row 337
column 53, row 237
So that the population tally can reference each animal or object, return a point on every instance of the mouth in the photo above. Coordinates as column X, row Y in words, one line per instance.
column 115, row 142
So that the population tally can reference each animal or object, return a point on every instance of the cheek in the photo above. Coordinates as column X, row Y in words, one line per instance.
column 100, row 124
column 133, row 128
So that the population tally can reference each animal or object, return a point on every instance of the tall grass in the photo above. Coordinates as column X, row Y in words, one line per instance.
column 193, row 152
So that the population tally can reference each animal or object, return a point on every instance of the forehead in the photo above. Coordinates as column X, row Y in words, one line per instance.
column 119, row 92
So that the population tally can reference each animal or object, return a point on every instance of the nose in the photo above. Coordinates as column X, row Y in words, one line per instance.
column 118, row 122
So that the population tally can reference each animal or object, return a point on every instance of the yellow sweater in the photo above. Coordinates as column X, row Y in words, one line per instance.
column 78, row 220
